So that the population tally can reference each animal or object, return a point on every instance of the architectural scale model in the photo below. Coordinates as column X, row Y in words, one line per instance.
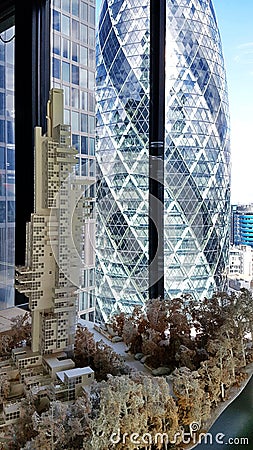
column 52, row 276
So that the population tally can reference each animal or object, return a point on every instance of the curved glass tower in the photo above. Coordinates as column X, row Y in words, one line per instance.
column 196, row 186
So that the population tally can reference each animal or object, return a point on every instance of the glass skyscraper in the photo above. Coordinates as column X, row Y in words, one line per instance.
column 242, row 225
column 196, row 155
column 73, row 70
column 7, row 169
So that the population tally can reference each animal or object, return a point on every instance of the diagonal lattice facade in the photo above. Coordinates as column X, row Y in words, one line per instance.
column 196, row 159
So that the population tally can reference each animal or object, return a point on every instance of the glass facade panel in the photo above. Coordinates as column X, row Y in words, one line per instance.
column 65, row 48
column 7, row 170
column 65, row 24
column 84, row 55
column 197, row 154
column 84, row 11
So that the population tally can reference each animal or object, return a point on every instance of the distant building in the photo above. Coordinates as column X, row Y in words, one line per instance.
column 240, row 271
column 240, row 260
column 242, row 224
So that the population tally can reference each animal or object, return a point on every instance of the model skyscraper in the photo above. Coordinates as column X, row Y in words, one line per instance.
column 57, row 243
column 52, row 274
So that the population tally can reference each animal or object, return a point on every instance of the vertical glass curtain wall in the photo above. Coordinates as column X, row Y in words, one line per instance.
column 7, row 168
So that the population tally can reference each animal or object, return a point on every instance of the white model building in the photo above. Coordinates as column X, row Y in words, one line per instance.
column 54, row 256
column 59, row 246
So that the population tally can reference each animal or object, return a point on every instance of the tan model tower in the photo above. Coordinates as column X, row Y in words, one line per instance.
column 54, row 247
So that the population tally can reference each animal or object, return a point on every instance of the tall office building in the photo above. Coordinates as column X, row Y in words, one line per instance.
column 195, row 161
column 242, row 225
column 73, row 70
column 7, row 169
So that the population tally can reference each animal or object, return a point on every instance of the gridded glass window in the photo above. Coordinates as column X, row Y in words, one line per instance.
column 56, row 44
column 75, row 74
column 10, row 159
column 91, row 277
column 65, row 71
column 84, row 55
column 66, row 5
column 75, row 29
column 84, row 145
column 91, row 102
column 84, row 11
column 75, row 121
column 65, row 24
column 66, row 116
column 92, row 190
column 75, row 51
column 91, row 80
column 56, row 68
column 84, row 123
column 91, row 58
column 66, row 95
column 75, row 7
column 10, row 52
column 83, row 78
column 92, row 167
column 57, row 3
column 10, row 133
column 2, row 105
column 91, row 39
column 92, row 15
column 65, row 48
column 76, row 141
column 84, row 33
column 56, row 20
column 9, row 77
column 75, row 98
column 77, row 169
column 91, row 124
column 2, row 133
column 11, row 211
column 2, row 211
column 84, row 167
column 2, row 162
column 2, row 51
column 92, row 146
column 2, row 77
column 84, row 100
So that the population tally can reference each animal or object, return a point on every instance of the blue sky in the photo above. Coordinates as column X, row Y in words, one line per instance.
column 235, row 19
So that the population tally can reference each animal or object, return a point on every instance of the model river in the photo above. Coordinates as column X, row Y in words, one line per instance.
column 234, row 428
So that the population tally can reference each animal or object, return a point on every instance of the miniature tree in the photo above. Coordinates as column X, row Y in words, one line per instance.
column 24, row 430
column 187, row 388
column 106, row 361
column 85, row 347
